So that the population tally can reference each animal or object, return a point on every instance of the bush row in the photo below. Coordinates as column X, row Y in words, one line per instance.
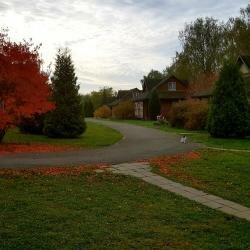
column 189, row 114
column 124, row 110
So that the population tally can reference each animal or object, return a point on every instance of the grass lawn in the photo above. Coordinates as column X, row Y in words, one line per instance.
column 106, row 211
column 197, row 136
column 96, row 135
column 223, row 173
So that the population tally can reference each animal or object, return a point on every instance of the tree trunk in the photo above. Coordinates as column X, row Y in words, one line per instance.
column 2, row 133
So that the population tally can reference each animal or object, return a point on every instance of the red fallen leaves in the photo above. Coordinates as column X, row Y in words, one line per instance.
column 33, row 148
column 53, row 171
column 165, row 165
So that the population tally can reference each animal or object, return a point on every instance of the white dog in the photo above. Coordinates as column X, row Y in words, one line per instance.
column 183, row 139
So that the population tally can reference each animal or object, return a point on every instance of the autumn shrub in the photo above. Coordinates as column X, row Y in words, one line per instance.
column 196, row 114
column 189, row 114
column 176, row 115
column 103, row 112
column 124, row 110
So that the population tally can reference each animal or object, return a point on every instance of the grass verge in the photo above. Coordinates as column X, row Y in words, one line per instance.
column 223, row 173
column 106, row 211
column 96, row 135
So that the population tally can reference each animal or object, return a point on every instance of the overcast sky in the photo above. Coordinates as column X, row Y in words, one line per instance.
column 113, row 42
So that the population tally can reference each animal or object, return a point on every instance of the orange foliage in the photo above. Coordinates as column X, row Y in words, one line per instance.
column 189, row 114
column 124, row 110
column 202, row 83
column 103, row 112
column 196, row 114
column 24, row 88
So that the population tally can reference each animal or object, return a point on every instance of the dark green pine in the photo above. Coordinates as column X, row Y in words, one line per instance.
column 229, row 111
column 67, row 120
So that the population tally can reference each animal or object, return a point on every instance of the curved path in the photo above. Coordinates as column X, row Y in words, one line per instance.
column 138, row 143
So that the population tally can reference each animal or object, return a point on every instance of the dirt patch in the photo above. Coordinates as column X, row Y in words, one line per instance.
column 10, row 148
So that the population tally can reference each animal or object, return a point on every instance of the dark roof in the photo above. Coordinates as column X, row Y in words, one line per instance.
column 244, row 59
column 184, row 82
column 164, row 95
column 203, row 93
column 172, row 95
column 124, row 95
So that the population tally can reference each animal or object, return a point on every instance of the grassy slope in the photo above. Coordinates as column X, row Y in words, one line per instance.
column 226, row 174
column 108, row 212
column 198, row 136
column 96, row 135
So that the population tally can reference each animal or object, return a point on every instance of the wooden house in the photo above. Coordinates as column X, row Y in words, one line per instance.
column 169, row 90
column 172, row 90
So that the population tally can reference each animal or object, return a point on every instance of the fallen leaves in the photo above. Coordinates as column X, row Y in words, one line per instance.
column 53, row 171
column 165, row 164
column 11, row 148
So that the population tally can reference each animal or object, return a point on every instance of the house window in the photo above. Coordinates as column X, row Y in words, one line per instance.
column 172, row 86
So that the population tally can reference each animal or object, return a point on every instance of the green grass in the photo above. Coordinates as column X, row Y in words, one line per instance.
column 197, row 136
column 96, row 135
column 226, row 174
column 105, row 211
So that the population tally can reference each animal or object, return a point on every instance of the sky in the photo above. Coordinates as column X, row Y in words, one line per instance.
column 113, row 42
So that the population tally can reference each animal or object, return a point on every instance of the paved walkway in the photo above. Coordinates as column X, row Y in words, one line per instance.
column 138, row 143
column 143, row 171
column 230, row 149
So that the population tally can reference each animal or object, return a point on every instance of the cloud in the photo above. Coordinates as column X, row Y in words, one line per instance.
column 113, row 42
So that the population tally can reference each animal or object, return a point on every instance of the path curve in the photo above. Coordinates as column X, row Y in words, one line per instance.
column 138, row 143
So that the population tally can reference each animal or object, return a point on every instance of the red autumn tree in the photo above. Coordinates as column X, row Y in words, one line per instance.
column 24, row 88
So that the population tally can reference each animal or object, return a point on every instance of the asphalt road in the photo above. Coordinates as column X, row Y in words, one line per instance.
column 138, row 143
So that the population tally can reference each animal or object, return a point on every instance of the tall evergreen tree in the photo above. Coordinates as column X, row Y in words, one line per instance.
column 67, row 120
column 229, row 108
column 154, row 105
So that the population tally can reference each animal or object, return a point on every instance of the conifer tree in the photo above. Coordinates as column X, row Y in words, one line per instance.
column 228, row 115
column 154, row 105
column 67, row 120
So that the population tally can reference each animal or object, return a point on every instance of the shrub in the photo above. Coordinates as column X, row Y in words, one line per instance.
column 189, row 114
column 124, row 110
column 154, row 105
column 103, row 112
column 176, row 115
column 33, row 124
column 228, row 116
column 196, row 114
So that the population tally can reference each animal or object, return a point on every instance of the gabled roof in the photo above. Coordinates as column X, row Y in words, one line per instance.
column 184, row 82
column 164, row 95
column 244, row 59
